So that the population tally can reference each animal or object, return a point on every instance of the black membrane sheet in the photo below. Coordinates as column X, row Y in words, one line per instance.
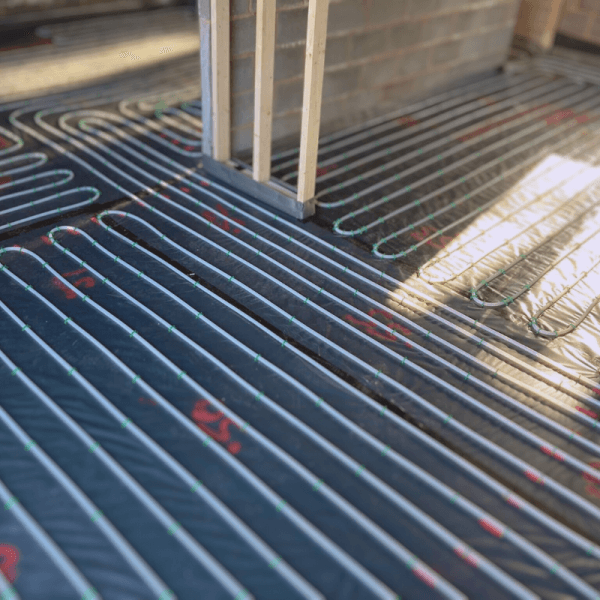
column 202, row 398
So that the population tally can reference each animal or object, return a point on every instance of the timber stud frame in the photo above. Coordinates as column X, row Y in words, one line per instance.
column 216, row 102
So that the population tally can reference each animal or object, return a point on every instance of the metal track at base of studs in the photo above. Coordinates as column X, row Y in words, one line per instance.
column 199, row 393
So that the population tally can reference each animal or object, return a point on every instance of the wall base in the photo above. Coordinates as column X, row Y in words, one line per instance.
column 274, row 193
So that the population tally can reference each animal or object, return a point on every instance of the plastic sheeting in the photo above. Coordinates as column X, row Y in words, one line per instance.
column 203, row 399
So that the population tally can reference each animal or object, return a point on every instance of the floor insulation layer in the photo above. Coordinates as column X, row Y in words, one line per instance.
column 201, row 398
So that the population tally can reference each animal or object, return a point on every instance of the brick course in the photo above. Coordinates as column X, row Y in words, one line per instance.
column 379, row 53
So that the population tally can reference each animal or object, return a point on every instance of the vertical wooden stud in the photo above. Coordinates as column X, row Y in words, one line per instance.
column 316, row 37
column 263, row 88
column 221, row 91
column 205, row 75
column 538, row 21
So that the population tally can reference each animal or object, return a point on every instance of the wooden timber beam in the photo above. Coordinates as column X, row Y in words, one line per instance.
column 538, row 21
column 263, row 89
column 205, row 75
column 257, row 181
column 221, row 89
column 316, row 37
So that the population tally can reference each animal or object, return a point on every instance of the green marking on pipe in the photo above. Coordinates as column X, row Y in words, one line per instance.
column 10, row 503
column 96, row 515
column 173, row 528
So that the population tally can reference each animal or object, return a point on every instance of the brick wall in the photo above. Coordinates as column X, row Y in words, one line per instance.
column 581, row 20
column 379, row 52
